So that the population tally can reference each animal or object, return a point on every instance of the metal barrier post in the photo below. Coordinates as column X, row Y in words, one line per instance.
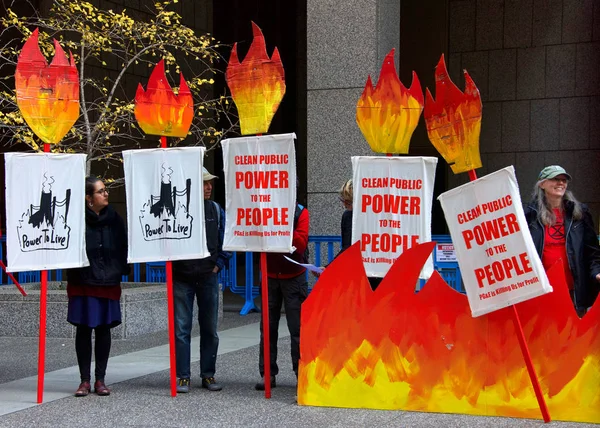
column 249, row 305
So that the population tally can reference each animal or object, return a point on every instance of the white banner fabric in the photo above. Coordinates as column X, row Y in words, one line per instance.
column 497, row 258
column 260, row 187
column 45, row 211
column 392, row 203
column 165, row 204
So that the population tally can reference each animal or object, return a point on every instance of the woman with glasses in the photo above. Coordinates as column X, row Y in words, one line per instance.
column 94, row 291
column 563, row 232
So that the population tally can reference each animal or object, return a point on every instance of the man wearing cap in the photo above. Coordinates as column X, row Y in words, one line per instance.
column 198, row 279
column 563, row 233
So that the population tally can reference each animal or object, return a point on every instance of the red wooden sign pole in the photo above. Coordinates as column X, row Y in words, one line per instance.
column 525, row 350
column 264, row 284
column 170, row 311
column 42, row 334
column 265, row 321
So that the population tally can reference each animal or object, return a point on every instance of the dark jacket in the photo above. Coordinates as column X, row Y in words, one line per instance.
column 346, row 230
column 193, row 270
column 106, row 247
column 583, row 250
column 346, row 233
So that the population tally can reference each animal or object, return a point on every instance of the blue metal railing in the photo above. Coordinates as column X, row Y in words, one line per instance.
column 322, row 250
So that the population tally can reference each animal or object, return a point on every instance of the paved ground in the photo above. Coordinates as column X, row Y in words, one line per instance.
column 139, row 377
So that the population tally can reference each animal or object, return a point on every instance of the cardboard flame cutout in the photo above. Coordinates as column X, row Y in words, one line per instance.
column 159, row 111
column 388, row 114
column 47, row 95
column 454, row 120
column 257, row 84
column 397, row 349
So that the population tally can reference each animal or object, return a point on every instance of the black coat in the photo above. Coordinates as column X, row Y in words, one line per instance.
column 583, row 251
column 194, row 270
column 106, row 247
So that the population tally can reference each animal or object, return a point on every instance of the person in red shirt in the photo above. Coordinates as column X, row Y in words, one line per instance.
column 288, row 285
column 563, row 232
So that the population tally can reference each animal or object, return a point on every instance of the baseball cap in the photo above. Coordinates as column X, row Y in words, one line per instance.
column 553, row 171
column 207, row 176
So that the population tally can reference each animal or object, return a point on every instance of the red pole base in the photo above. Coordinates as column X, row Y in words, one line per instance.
column 265, row 323
column 530, row 369
column 42, row 336
column 171, row 314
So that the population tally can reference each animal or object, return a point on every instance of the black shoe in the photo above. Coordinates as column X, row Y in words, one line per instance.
column 260, row 385
column 211, row 384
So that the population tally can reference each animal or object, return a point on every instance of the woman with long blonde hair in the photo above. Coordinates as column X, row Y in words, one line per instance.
column 563, row 233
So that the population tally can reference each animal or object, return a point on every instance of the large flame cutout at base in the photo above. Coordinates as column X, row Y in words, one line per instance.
column 389, row 114
column 454, row 120
column 257, row 84
column 396, row 349
column 47, row 95
column 159, row 111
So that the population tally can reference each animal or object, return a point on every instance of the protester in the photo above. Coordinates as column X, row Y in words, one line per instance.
column 287, row 284
column 346, row 197
column 198, row 279
column 94, row 291
column 563, row 232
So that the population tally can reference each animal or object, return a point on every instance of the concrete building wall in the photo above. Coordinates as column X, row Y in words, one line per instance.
column 537, row 66
column 536, row 63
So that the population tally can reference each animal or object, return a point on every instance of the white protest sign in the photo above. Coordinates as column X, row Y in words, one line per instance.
column 45, row 211
column 165, row 204
column 391, row 208
column 260, row 187
column 497, row 258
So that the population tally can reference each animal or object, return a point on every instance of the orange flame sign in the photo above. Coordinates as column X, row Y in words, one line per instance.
column 159, row 111
column 47, row 95
column 389, row 114
column 257, row 84
column 454, row 120
column 397, row 349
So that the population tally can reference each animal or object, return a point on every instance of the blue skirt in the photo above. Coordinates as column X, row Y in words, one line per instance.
column 94, row 311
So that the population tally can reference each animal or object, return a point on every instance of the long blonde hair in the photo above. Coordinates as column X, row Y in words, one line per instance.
column 545, row 213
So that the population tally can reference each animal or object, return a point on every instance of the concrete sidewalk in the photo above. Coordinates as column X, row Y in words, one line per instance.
column 139, row 378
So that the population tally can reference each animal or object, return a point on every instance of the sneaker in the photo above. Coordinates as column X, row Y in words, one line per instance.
column 260, row 385
column 183, row 385
column 211, row 384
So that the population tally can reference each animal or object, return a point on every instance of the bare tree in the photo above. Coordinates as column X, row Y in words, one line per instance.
column 107, row 46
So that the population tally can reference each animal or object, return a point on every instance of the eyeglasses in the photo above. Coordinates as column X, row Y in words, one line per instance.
column 560, row 180
column 344, row 201
column 101, row 191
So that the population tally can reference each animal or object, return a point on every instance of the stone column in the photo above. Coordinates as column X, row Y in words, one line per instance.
column 346, row 41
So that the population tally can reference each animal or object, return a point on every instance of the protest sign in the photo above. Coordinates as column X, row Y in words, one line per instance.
column 496, row 255
column 45, row 217
column 260, row 187
column 165, row 204
column 391, row 208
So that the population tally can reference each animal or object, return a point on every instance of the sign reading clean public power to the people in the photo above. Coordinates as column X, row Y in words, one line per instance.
column 260, row 187
column 391, row 208
column 496, row 255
